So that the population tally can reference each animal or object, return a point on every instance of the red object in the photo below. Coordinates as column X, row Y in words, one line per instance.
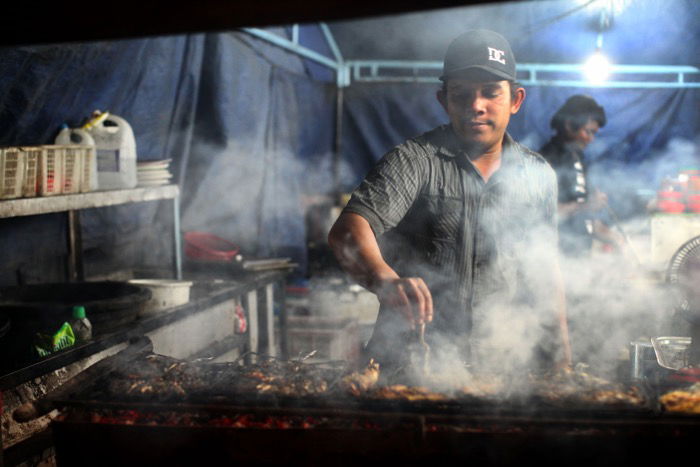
column 694, row 202
column 694, row 183
column 687, row 375
column 671, row 201
column 670, row 195
column 209, row 247
column 671, row 206
column 241, row 322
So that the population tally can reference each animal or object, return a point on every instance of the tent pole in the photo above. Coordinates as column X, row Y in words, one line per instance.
column 338, row 141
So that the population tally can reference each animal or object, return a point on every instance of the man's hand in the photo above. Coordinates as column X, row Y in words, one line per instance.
column 356, row 248
column 408, row 295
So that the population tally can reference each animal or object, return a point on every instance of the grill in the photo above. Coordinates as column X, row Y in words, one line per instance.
column 224, row 421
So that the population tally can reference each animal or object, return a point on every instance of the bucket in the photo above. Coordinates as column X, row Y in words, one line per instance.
column 116, row 153
column 165, row 294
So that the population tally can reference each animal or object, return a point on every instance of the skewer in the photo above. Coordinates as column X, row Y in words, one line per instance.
column 424, row 349
column 616, row 221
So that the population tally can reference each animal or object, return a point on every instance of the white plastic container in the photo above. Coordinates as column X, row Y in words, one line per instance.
column 116, row 153
column 165, row 294
column 83, row 139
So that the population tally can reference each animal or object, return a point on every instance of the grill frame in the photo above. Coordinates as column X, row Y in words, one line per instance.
column 468, row 431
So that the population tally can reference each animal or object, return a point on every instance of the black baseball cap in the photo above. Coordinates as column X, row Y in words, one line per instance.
column 479, row 49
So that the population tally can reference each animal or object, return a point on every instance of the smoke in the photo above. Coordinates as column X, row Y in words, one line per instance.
column 254, row 196
column 630, row 186
column 612, row 298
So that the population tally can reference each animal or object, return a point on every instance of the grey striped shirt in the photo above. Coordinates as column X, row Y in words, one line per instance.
column 475, row 244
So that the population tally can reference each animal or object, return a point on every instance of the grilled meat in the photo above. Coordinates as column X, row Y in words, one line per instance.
column 682, row 400
column 411, row 393
column 480, row 389
column 578, row 386
column 159, row 378
column 359, row 382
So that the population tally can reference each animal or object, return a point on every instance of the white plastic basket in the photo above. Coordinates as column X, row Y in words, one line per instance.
column 50, row 170
column 71, row 170
column 32, row 155
column 12, row 173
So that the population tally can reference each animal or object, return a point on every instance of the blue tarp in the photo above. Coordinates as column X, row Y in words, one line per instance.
column 650, row 133
column 249, row 128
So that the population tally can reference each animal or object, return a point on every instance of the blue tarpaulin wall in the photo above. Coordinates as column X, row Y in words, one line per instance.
column 250, row 127
column 650, row 132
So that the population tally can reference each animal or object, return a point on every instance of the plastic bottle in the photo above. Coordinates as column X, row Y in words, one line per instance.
column 82, row 328
column 81, row 137
column 116, row 151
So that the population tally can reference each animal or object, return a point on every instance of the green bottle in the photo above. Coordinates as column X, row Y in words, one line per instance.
column 82, row 328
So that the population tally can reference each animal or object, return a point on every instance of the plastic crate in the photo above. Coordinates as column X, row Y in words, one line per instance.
column 88, row 181
column 50, row 171
column 12, row 173
column 71, row 169
column 32, row 154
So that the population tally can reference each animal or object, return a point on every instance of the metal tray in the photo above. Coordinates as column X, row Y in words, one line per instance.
column 671, row 352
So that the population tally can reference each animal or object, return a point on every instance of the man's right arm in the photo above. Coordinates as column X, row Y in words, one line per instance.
column 355, row 246
column 595, row 202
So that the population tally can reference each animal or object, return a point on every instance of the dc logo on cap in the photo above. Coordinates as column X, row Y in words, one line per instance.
column 496, row 55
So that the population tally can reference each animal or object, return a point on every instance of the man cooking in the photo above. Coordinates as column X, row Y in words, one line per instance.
column 455, row 230
column 576, row 124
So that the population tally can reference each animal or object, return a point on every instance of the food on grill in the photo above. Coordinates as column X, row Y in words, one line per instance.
column 359, row 382
column 157, row 378
column 578, row 386
column 682, row 400
column 481, row 389
column 164, row 378
column 411, row 393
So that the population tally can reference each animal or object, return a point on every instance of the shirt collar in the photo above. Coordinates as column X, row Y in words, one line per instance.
column 451, row 146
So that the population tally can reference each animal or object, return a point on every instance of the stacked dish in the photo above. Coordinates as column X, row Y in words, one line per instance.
column 153, row 173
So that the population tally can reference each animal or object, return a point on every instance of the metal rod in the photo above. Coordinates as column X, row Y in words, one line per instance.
column 291, row 46
column 375, row 70
column 616, row 221
column 338, row 146
column 177, row 240
column 75, row 249
column 331, row 42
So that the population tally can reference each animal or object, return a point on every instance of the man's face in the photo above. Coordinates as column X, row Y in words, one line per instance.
column 479, row 111
column 584, row 135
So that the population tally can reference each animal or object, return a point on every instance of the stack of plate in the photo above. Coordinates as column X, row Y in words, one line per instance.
column 153, row 173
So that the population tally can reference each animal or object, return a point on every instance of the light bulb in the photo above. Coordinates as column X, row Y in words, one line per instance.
column 597, row 68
